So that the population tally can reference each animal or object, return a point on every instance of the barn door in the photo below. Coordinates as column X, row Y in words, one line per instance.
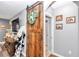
column 35, row 30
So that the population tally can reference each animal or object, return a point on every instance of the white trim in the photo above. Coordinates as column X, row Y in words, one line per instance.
column 48, row 14
column 44, row 48
column 58, row 55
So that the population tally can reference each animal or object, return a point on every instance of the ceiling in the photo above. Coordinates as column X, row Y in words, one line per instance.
column 10, row 8
column 59, row 4
column 76, row 2
column 47, row 3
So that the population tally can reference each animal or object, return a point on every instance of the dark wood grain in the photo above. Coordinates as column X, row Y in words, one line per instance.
column 35, row 33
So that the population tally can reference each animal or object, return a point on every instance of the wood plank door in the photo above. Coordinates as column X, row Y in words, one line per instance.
column 35, row 30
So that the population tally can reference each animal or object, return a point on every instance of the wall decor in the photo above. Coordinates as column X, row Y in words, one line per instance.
column 59, row 26
column 59, row 18
column 32, row 17
column 71, row 19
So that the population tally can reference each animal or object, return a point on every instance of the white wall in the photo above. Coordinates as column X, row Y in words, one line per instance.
column 22, row 20
column 66, row 40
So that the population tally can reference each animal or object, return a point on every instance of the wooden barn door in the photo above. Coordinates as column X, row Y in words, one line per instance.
column 35, row 30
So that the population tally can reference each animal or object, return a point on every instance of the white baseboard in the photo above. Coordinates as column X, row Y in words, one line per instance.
column 58, row 55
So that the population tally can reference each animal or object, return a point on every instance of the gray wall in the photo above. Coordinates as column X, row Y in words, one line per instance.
column 66, row 42
column 22, row 20
column 2, row 31
column 77, row 3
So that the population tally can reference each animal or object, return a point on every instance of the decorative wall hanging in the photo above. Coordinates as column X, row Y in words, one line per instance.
column 59, row 26
column 59, row 18
column 71, row 19
column 32, row 17
column 34, row 14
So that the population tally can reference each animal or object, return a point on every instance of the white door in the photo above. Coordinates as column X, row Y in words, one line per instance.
column 48, row 27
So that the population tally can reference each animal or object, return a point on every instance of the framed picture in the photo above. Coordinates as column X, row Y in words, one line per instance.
column 59, row 26
column 59, row 18
column 71, row 19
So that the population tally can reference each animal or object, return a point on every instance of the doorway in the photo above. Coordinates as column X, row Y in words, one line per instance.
column 48, row 29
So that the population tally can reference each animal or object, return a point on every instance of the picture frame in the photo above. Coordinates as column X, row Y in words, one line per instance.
column 71, row 19
column 59, row 26
column 59, row 18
